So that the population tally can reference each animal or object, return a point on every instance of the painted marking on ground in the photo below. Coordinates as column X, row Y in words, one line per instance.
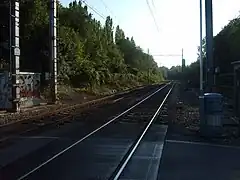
column 37, row 137
column 202, row 144
column 119, row 99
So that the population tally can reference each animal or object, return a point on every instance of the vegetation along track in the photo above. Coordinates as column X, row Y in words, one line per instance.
column 57, row 108
column 66, row 114
column 93, row 146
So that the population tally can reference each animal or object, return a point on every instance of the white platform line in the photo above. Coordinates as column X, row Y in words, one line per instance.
column 37, row 137
column 202, row 144
column 151, row 162
column 119, row 99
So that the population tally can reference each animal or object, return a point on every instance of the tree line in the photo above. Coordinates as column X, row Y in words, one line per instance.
column 89, row 53
column 225, row 51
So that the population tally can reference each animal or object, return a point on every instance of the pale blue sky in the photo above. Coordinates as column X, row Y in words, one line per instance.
column 178, row 22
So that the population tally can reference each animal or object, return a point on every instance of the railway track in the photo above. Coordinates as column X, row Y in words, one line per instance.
column 64, row 107
column 61, row 115
column 132, row 150
column 97, row 153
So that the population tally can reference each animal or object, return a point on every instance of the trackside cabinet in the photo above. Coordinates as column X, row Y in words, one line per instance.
column 213, row 107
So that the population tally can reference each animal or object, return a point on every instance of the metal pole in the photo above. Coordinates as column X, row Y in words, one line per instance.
column 15, row 60
column 10, row 36
column 182, row 59
column 53, row 49
column 183, row 62
column 200, row 53
column 209, row 43
column 148, row 70
column 182, row 53
column 201, row 97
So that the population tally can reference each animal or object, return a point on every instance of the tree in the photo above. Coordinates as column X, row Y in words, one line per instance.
column 119, row 35
column 226, row 51
column 87, row 51
column 4, row 35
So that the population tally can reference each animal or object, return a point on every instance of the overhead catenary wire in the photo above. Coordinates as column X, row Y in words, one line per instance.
column 107, row 8
column 167, row 55
column 94, row 10
column 152, row 14
column 110, row 11
column 154, row 7
column 156, row 24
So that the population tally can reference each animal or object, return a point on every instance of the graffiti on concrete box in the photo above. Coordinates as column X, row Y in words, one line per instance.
column 29, row 84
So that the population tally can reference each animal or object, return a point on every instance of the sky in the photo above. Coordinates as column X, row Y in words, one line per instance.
column 178, row 23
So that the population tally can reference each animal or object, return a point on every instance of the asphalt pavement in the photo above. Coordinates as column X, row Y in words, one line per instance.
column 173, row 157
column 196, row 160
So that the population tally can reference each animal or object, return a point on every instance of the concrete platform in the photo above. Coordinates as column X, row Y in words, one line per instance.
column 145, row 162
column 186, row 160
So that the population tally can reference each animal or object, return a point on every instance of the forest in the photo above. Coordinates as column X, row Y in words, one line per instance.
column 89, row 53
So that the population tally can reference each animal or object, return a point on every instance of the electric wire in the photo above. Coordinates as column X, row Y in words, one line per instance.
column 94, row 10
column 152, row 14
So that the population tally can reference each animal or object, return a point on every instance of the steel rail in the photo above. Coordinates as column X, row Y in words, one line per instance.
column 60, row 114
column 90, row 134
column 65, row 107
column 138, row 141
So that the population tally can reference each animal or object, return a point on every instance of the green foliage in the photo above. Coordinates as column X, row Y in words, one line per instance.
column 4, row 34
column 34, row 35
column 227, row 46
column 226, row 50
column 88, row 52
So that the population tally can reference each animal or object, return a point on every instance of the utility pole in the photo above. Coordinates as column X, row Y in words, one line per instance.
column 182, row 53
column 10, row 35
column 148, row 69
column 183, row 62
column 209, row 44
column 53, row 49
column 200, row 53
column 15, row 56
column 201, row 96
